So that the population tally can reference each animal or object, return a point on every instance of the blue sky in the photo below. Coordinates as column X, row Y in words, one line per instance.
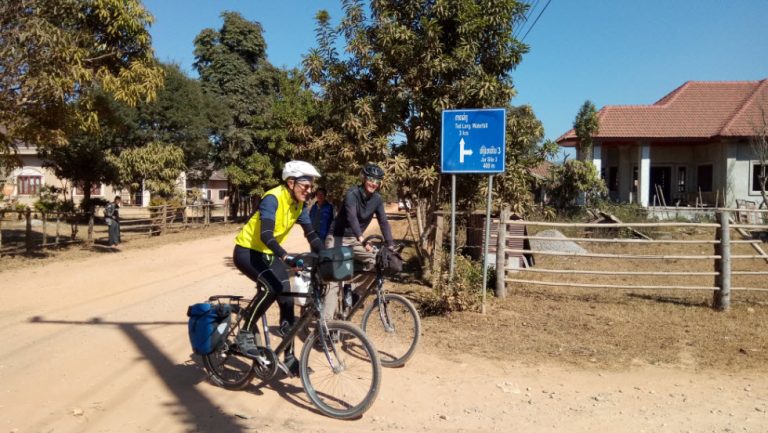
column 610, row 52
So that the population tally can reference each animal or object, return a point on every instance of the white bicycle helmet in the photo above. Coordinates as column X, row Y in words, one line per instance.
column 298, row 169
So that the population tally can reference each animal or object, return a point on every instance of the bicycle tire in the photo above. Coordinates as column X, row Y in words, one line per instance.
column 226, row 366
column 349, row 389
column 397, row 342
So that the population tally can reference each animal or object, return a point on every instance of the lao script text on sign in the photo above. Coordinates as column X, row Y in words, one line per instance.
column 473, row 141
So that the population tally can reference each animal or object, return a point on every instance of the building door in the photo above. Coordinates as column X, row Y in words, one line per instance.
column 661, row 176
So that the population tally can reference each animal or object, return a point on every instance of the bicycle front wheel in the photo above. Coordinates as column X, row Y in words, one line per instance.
column 226, row 366
column 341, row 377
column 394, row 329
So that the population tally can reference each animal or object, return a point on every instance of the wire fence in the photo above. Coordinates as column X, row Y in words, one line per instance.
column 721, row 256
column 25, row 231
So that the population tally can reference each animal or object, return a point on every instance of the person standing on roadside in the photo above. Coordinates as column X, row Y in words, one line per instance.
column 112, row 218
column 321, row 213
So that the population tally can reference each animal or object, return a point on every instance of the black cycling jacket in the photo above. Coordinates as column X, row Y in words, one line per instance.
column 356, row 214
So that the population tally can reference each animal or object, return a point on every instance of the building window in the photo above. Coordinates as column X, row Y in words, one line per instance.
column 222, row 194
column 704, row 178
column 95, row 190
column 681, row 178
column 29, row 185
column 757, row 171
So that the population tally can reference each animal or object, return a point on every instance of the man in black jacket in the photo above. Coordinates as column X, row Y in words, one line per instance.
column 361, row 203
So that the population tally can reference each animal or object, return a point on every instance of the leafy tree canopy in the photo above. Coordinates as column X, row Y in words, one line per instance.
column 267, row 107
column 586, row 125
column 183, row 115
column 55, row 53
column 402, row 65
column 157, row 164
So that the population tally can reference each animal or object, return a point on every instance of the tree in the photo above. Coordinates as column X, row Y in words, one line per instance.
column 56, row 54
column 574, row 178
column 183, row 115
column 403, row 65
column 524, row 151
column 586, row 125
column 84, row 160
column 156, row 165
column 266, row 106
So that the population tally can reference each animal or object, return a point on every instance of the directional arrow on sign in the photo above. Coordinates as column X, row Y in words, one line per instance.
column 463, row 152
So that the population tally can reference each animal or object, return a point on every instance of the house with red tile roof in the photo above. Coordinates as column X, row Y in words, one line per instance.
column 690, row 147
column 24, row 183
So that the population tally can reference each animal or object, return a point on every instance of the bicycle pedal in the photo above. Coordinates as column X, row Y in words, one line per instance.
column 284, row 368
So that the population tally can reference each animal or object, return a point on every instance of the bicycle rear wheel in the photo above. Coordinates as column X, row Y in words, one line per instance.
column 394, row 330
column 226, row 366
column 342, row 378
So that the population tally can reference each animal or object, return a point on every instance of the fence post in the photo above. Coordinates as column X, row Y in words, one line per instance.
column 501, row 254
column 28, row 216
column 58, row 220
column 90, row 224
column 45, row 228
column 2, row 216
column 437, row 250
column 722, row 297
column 165, row 220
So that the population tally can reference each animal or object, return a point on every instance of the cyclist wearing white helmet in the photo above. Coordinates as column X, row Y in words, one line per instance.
column 361, row 203
column 260, row 257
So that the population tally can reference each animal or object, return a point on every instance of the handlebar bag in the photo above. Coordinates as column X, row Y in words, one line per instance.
column 391, row 261
column 336, row 264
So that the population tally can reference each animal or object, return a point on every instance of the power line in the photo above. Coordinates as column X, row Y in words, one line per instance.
column 536, row 20
column 524, row 20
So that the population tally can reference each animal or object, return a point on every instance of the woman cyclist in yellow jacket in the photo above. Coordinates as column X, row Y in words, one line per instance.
column 260, row 257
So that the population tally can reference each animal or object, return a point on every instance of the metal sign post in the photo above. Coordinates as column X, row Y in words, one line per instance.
column 487, row 241
column 473, row 141
column 453, row 227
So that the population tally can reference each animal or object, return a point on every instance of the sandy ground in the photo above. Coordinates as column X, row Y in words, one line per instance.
column 100, row 345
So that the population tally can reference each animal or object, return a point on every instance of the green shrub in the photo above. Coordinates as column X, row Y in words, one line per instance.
column 463, row 294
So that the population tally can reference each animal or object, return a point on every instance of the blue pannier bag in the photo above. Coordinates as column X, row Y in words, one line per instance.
column 208, row 323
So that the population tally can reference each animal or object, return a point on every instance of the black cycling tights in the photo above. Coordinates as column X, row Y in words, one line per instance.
column 272, row 272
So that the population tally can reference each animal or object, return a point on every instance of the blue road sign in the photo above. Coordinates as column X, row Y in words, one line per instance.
column 473, row 141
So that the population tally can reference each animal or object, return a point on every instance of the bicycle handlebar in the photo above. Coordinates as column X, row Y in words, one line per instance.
column 294, row 262
column 380, row 239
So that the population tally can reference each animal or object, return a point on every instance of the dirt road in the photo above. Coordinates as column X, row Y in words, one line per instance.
column 100, row 345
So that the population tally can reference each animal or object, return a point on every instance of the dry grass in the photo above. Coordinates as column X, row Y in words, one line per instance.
column 615, row 329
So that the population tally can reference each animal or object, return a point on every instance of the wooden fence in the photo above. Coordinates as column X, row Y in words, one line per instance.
column 26, row 231
column 732, row 251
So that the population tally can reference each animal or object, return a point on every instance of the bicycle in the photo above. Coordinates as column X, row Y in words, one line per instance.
column 396, row 328
column 339, row 367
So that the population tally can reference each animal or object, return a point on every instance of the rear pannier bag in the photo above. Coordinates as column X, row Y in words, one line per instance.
column 336, row 264
column 208, row 323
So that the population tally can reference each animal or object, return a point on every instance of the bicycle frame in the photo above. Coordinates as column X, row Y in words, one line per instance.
column 312, row 311
column 376, row 286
